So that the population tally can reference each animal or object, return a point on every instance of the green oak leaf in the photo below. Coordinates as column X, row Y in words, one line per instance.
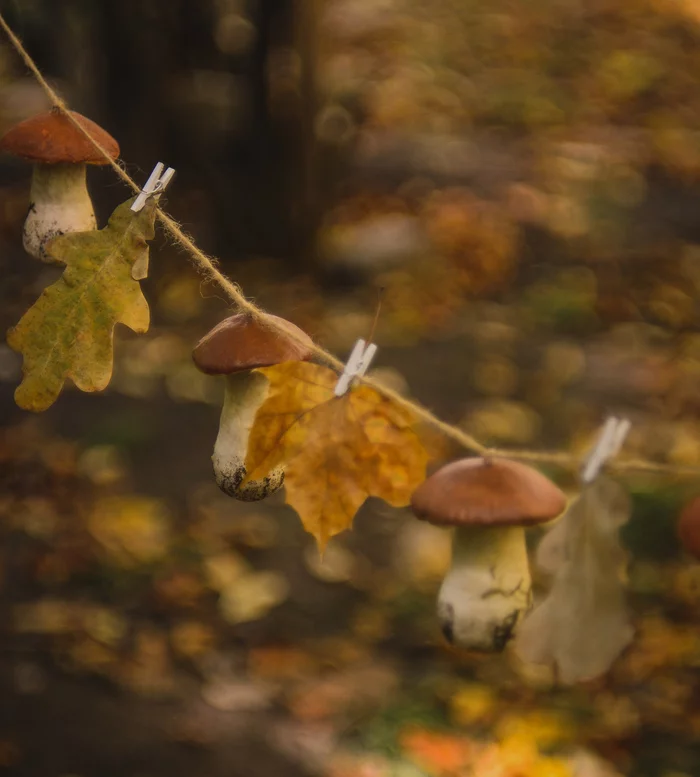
column 68, row 332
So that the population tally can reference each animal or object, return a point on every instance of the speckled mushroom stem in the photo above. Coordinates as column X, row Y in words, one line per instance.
column 59, row 203
column 487, row 589
column 245, row 392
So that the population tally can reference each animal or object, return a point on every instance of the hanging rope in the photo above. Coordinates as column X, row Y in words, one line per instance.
column 207, row 266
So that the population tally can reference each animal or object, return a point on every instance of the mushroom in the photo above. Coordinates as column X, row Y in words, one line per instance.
column 234, row 348
column 59, row 199
column 688, row 528
column 489, row 502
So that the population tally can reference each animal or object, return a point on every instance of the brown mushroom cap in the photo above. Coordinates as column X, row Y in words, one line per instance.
column 52, row 138
column 487, row 492
column 241, row 343
column 688, row 527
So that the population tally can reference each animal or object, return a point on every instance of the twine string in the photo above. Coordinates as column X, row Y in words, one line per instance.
column 208, row 267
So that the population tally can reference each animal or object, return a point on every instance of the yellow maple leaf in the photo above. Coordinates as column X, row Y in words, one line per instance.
column 336, row 451
column 68, row 331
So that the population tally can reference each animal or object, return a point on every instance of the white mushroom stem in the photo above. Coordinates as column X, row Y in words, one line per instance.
column 59, row 203
column 487, row 589
column 245, row 392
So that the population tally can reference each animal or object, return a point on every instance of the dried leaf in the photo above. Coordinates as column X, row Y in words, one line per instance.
column 148, row 671
column 472, row 703
column 336, row 451
column 555, row 547
column 233, row 695
column 582, row 625
column 192, row 639
column 361, row 687
column 132, row 530
column 47, row 616
column 280, row 663
column 252, row 596
column 437, row 752
column 68, row 332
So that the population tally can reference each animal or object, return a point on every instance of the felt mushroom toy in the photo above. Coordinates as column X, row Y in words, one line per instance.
column 688, row 528
column 234, row 348
column 59, row 199
column 489, row 502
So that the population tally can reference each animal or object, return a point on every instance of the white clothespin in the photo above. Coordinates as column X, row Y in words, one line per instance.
column 154, row 186
column 609, row 442
column 358, row 363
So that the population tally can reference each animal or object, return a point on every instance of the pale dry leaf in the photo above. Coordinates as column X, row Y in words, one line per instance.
column 583, row 624
column 555, row 548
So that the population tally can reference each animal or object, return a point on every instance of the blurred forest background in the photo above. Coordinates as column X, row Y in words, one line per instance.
column 523, row 182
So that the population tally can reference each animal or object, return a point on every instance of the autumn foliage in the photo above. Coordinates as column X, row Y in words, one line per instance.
column 336, row 451
column 68, row 332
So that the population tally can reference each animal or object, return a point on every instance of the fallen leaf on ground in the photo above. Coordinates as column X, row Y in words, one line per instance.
column 422, row 555
column 232, row 695
column 472, row 703
column 341, row 692
column 336, row 451
column 225, row 569
column 540, row 728
column 308, row 744
column 148, row 671
column 191, row 639
column 68, row 331
column 370, row 623
column 280, row 663
column 132, row 530
column 347, row 764
column 89, row 656
column 659, row 644
column 47, row 616
column 518, row 757
column 252, row 596
column 437, row 752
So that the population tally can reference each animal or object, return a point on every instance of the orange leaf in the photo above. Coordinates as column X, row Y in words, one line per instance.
column 336, row 451
column 437, row 753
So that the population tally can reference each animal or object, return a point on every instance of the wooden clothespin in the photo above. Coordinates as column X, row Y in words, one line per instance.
column 358, row 363
column 608, row 445
column 154, row 186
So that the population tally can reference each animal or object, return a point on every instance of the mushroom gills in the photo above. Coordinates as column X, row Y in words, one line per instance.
column 245, row 392
column 488, row 588
column 59, row 203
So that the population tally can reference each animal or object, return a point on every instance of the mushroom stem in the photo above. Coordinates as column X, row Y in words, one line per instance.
column 59, row 203
column 488, row 587
column 245, row 392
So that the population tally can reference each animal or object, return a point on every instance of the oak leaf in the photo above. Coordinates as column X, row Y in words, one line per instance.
column 583, row 624
column 68, row 332
column 336, row 451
